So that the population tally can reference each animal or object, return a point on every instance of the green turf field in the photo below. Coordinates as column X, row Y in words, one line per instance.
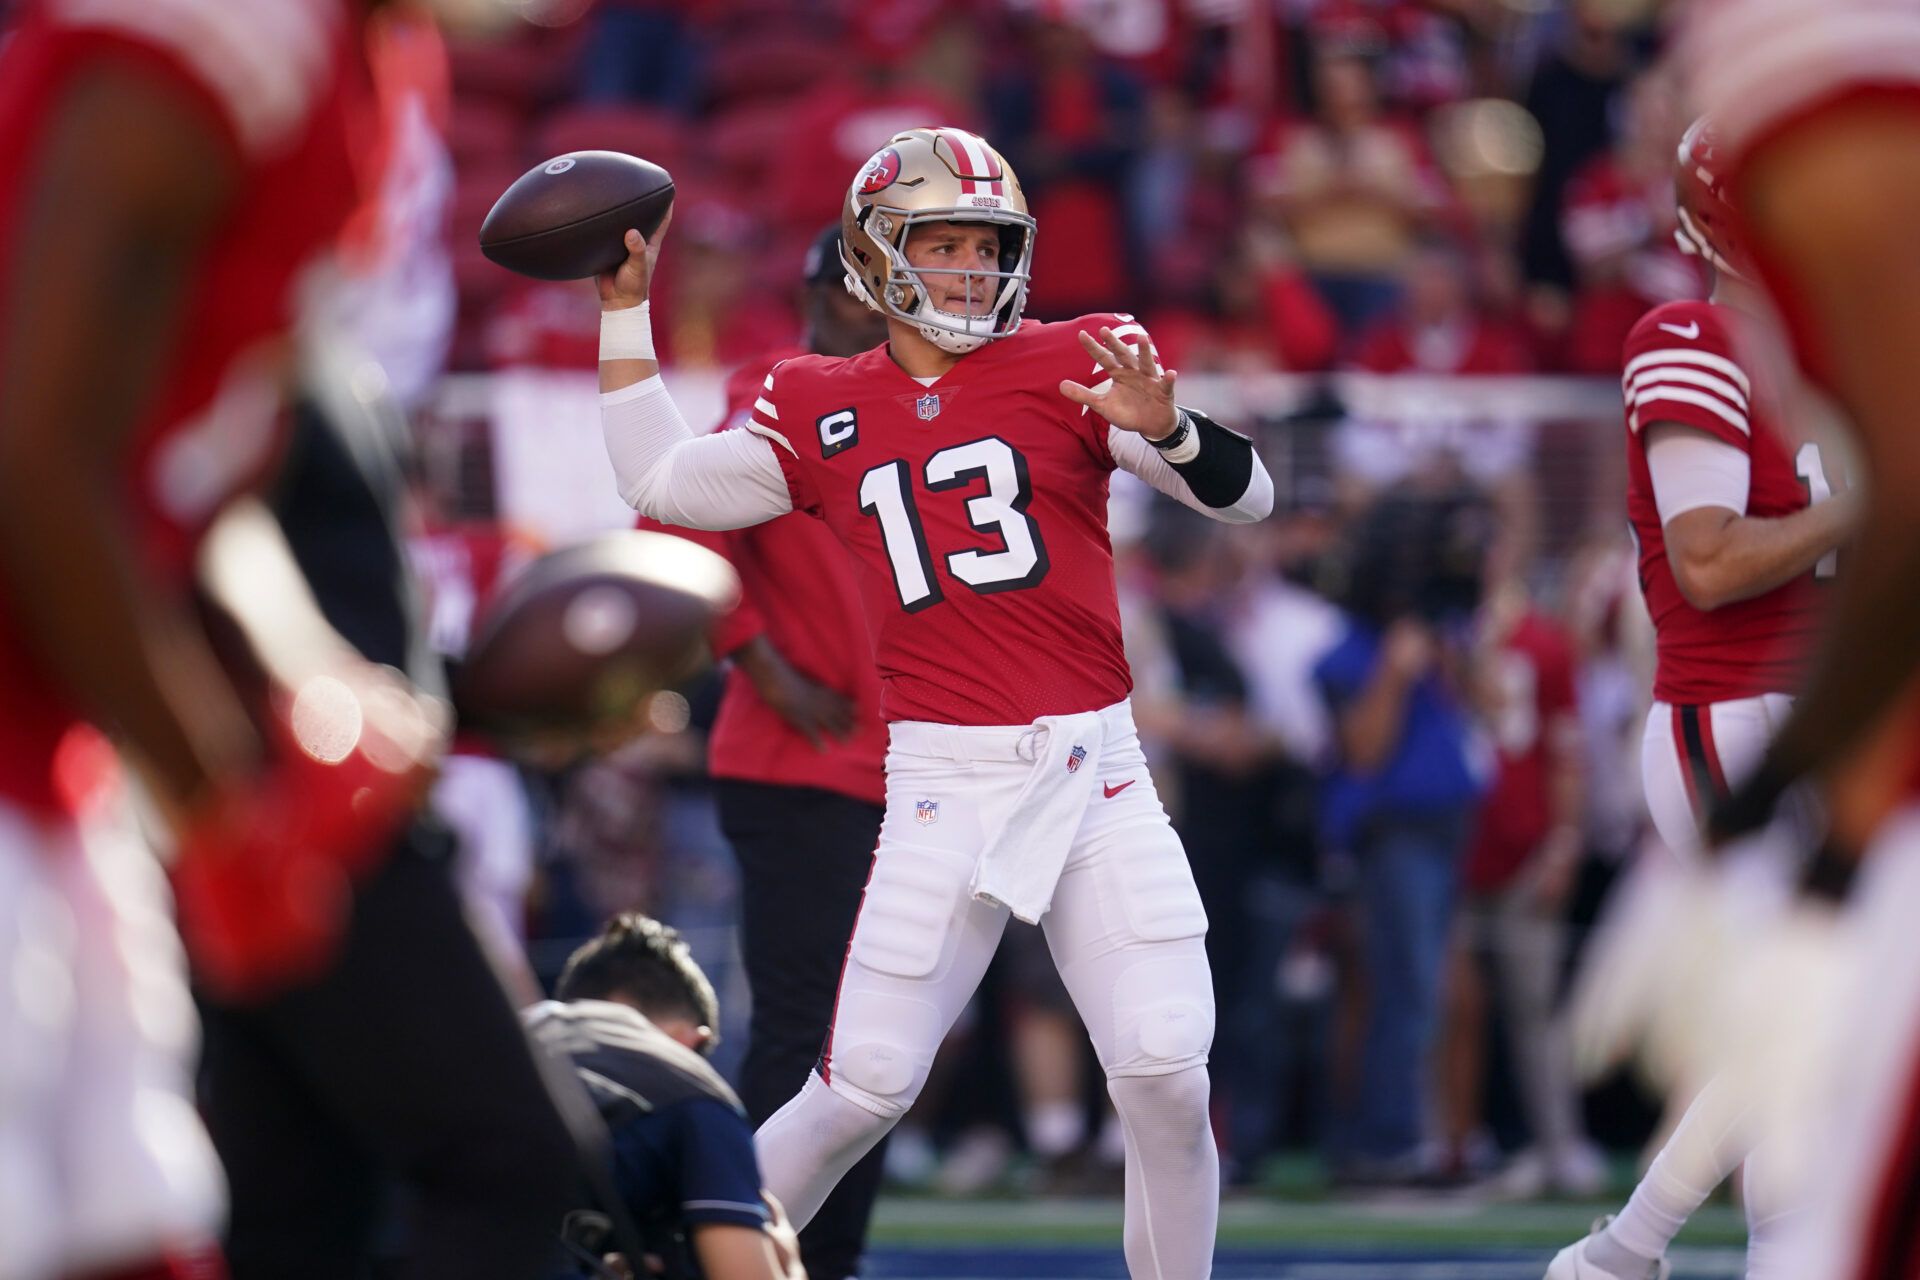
column 1267, row 1238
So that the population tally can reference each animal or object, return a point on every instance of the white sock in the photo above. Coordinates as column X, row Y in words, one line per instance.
column 1055, row 1128
column 807, row 1146
column 1706, row 1146
column 1173, row 1174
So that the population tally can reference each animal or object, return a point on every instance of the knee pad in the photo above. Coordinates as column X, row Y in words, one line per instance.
column 882, row 1048
column 1163, row 1013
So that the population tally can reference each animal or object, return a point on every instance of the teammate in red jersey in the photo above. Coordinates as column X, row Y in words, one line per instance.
column 965, row 466
column 1738, row 524
column 796, row 752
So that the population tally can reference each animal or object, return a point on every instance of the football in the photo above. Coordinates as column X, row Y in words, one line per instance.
column 565, row 219
column 582, row 635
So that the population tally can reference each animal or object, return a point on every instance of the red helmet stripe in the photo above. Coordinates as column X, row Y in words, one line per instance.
column 979, row 168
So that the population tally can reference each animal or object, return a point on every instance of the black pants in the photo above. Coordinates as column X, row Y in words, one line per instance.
column 404, row 1064
column 804, row 856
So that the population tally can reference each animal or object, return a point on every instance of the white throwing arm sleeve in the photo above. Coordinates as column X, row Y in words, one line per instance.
column 1132, row 452
column 1691, row 469
column 727, row 480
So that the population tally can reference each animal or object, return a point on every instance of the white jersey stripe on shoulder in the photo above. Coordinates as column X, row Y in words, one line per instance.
column 264, row 60
column 1691, row 376
column 762, row 406
column 1685, row 395
column 1689, row 355
column 761, row 429
column 768, row 384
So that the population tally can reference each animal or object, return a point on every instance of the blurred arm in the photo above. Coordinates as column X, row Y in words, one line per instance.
column 104, row 253
column 1834, row 204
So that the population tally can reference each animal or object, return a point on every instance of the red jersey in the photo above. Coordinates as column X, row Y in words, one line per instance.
column 976, row 510
column 1533, row 683
column 1683, row 364
column 797, row 588
column 284, row 83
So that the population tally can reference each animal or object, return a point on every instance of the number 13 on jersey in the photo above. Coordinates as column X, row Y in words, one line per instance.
column 887, row 494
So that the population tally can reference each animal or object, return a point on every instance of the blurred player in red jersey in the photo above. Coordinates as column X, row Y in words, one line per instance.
column 168, row 169
column 797, row 751
column 174, row 176
column 1818, row 108
column 1738, row 523
column 965, row 466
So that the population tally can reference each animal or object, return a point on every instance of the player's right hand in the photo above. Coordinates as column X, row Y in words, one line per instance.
column 786, row 1241
column 809, row 707
column 627, row 284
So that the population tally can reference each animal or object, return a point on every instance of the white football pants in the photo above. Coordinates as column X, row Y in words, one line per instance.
column 1125, row 927
column 1864, row 1221
column 1688, row 756
column 103, row 1160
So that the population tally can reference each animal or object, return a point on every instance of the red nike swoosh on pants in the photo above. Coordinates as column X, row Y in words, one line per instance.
column 1111, row 792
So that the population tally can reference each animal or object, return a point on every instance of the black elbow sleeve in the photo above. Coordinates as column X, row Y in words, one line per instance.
column 1220, row 473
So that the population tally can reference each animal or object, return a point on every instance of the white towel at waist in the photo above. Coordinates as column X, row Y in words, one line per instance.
column 1025, row 852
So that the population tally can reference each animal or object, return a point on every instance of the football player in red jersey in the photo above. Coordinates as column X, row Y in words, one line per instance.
column 165, row 169
column 965, row 466
column 1737, row 523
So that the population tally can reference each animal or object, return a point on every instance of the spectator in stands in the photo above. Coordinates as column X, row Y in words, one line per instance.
column 1400, row 797
column 1439, row 328
column 1259, row 312
column 643, row 51
column 1618, row 222
column 1352, row 187
column 1439, row 325
column 1070, row 121
column 1572, row 96
column 1519, row 875
column 636, row 1017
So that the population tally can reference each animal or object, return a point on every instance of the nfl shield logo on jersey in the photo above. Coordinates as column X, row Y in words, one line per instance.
column 928, row 407
column 1074, row 757
column 926, row 812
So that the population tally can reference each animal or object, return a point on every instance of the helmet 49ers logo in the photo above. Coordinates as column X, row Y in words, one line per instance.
column 881, row 171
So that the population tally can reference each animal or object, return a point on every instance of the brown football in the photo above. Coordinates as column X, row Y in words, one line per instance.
column 566, row 219
column 582, row 635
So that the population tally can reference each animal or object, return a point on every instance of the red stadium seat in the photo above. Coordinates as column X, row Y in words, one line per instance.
column 659, row 136
column 743, row 141
column 775, row 64
column 484, row 132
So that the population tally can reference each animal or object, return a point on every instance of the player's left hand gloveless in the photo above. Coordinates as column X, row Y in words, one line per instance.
column 1140, row 397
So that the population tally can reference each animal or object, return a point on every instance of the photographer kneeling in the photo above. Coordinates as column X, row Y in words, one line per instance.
column 635, row 1016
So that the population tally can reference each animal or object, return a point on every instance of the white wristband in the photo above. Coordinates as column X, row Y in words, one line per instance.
column 627, row 334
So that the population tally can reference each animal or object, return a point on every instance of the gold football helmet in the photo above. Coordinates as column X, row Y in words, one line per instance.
column 935, row 175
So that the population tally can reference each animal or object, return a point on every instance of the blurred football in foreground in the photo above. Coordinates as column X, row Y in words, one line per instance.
column 565, row 219
column 581, row 637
